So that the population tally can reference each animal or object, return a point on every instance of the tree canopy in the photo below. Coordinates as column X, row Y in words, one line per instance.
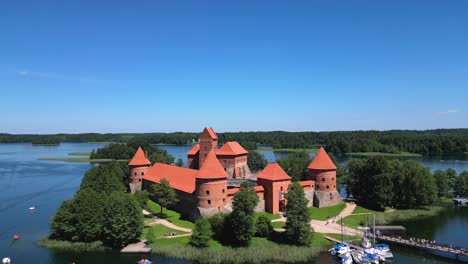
column 164, row 194
column 295, row 165
column 461, row 186
column 378, row 182
column 240, row 224
column 298, row 230
column 202, row 233
column 256, row 161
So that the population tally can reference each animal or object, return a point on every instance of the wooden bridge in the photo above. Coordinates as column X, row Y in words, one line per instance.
column 442, row 250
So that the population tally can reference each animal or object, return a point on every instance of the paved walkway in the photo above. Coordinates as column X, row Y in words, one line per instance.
column 159, row 221
column 139, row 247
column 330, row 225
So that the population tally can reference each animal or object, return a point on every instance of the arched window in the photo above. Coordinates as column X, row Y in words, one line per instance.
column 333, row 179
column 209, row 201
column 207, row 192
column 135, row 174
column 142, row 173
column 328, row 187
column 224, row 191
column 323, row 179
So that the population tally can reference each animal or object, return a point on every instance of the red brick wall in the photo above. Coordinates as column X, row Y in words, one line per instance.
column 206, row 144
column 137, row 173
column 211, row 193
column 272, row 193
column 325, row 180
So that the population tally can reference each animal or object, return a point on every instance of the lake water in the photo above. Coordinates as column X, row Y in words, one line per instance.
column 26, row 181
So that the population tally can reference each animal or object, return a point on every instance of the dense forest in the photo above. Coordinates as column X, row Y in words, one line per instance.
column 425, row 142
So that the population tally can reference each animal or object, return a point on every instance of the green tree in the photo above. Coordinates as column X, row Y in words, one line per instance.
column 461, row 186
column 105, row 178
column 452, row 176
column 141, row 197
column 241, row 223
column 179, row 162
column 217, row 223
column 298, row 230
column 256, row 161
column 442, row 182
column 263, row 226
column 164, row 194
column 201, row 234
column 88, row 208
column 295, row 165
column 123, row 220
column 63, row 225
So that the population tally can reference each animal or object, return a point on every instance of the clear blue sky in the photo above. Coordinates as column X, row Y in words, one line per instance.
column 144, row 66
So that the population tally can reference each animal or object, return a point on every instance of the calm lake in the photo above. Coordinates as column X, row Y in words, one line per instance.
column 26, row 181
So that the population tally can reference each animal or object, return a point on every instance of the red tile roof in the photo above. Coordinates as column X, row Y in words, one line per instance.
column 211, row 168
column 322, row 161
column 274, row 172
column 139, row 158
column 231, row 148
column 194, row 150
column 259, row 188
column 179, row 178
column 211, row 132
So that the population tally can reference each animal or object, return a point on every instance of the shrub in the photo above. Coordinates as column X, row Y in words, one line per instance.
column 201, row 233
column 263, row 226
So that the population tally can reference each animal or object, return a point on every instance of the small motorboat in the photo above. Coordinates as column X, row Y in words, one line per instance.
column 6, row 261
column 381, row 250
column 16, row 237
column 361, row 257
column 144, row 261
column 32, row 208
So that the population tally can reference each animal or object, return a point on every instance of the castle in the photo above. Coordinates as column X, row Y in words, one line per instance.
column 203, row 188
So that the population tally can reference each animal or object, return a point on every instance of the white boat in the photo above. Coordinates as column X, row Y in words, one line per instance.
column 6, row 261
column 32, row 208
column 347, row 259
column 339, row 249
column 381, row 250
column 366, row 243
column 361, row 257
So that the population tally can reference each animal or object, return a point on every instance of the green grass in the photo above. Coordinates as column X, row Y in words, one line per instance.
column 389, row 216
column 77, row 160
column 73, row 246
column 261, row 250
column 267, row 215
column 370, row 154
column 278, row 224
column 325, row 213
column 79, row 154
column 155, row 232
column 288, row 150
column 171, row 216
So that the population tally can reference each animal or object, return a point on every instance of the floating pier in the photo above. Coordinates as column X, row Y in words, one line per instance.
column 136, row 248
column 442, row 250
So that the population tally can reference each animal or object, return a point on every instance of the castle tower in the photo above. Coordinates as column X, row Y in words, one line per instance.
column 323, row 172
column 211, row 186
column 276, row 182
column 208, row 142
column 139, row 165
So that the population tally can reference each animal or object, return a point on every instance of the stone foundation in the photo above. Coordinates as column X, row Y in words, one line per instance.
column 325, row 199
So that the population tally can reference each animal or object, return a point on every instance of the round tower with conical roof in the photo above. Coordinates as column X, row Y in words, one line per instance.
column 211, row 185
column 322, row 170
column 139, row 165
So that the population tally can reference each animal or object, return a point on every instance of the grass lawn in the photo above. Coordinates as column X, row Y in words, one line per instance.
column 326, row 212
column 278, row 224
column 268, row 215
column 79, row 154
column 370, row 154
column 155, row 232
column 288, row 150
column 389, row 216
column 171, row 216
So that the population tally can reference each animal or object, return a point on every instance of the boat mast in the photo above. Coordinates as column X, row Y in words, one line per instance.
column 373, row 229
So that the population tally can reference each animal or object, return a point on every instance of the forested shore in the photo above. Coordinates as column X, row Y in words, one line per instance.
column 424, row 142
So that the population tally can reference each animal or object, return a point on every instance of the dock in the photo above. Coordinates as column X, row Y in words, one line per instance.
column 136, row 248
column 461, row 201
column 345, row 243
column 442, row 250
column 387, row 228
